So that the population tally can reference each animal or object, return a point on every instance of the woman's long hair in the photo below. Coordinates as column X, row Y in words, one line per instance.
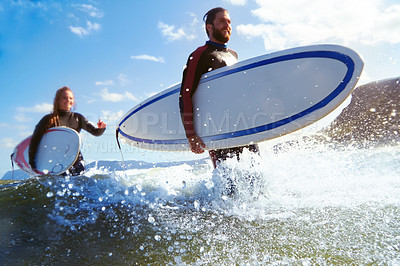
column 54, row 120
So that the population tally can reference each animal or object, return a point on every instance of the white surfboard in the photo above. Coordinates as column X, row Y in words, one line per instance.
column 252, row 101
column 56, row 153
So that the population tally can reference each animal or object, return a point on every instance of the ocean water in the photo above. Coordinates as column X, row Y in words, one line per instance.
column 299, row 204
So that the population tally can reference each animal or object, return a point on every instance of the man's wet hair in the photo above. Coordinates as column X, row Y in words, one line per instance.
column 209, row 17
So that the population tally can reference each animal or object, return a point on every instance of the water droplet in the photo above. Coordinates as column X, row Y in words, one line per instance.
column 151, row 219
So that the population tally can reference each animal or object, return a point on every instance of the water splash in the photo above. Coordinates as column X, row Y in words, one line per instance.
column 309, row 204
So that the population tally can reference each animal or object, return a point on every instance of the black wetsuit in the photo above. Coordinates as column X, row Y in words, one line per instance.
column 204, row 59
column 67, row 119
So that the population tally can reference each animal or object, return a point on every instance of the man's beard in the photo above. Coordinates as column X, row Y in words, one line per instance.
column 219, row 36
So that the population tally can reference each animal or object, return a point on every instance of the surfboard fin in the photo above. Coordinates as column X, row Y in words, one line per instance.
column 119, row 147
column 12, row 166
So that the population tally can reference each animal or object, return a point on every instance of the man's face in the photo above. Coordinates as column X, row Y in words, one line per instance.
column 221, row 28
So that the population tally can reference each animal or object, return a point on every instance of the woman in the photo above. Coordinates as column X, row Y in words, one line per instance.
column 62, row 116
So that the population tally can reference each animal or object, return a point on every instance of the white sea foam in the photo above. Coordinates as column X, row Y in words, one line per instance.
column 307, row 203
column 301, row 177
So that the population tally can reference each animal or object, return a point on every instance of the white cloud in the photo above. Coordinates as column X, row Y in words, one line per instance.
column 30, row 5
column 148, row 58
column 90, row 10
column 78, row 30
column 105, row 83
column 8, row 143
column 123, row 79
column 288, row 23
column 38, row 108
column 237, row 2
column 109, row 116
column 14, row 126
column 22, row 118
column 116, row 97
column 173, row 34
column 195, row 20
column 90, row 28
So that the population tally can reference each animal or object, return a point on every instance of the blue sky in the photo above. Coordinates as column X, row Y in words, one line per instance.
column 115, row 53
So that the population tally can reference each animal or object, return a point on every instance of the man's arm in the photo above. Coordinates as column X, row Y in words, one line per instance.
column 190, row 81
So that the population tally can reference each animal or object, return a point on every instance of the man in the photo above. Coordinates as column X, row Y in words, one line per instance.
column 214, row 54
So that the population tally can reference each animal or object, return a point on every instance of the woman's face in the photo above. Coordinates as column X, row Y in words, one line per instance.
column 66, row 101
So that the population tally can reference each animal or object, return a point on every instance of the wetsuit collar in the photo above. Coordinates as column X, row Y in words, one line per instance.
column 219, row 45
column 64, row 112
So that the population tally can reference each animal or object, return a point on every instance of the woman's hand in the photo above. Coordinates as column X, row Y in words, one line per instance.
column 101, row 124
